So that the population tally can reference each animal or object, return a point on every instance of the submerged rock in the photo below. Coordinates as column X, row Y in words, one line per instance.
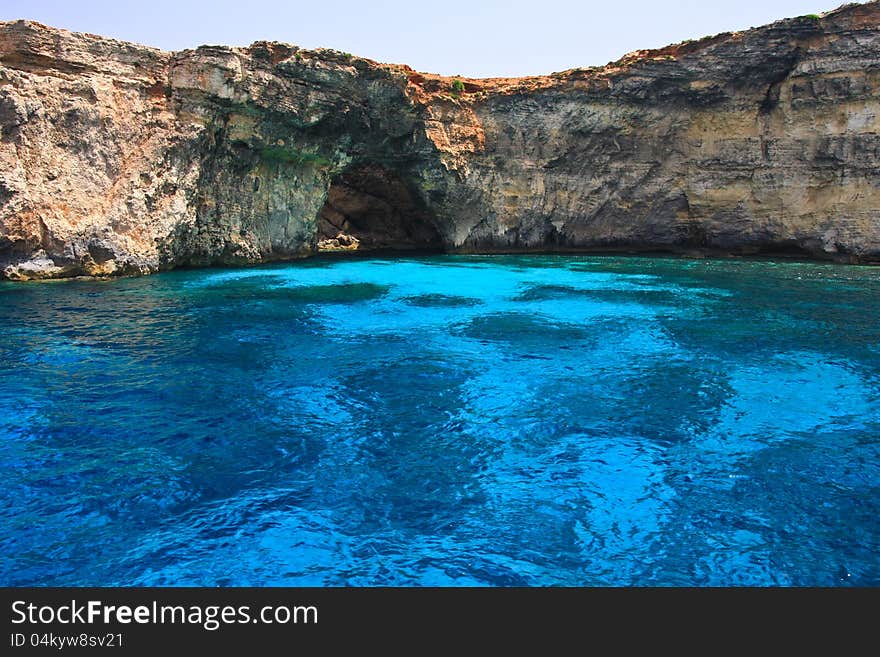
column 117, row 159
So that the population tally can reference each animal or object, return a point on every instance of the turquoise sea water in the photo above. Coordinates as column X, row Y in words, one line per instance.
column 448, row 420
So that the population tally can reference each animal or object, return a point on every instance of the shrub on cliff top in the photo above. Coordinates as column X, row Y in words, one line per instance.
column 813, row 17
column 457, row 86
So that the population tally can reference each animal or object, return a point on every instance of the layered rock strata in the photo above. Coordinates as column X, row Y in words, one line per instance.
column 121, row 159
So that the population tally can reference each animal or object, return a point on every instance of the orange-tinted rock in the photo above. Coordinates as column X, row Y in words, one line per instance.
column 121, row 159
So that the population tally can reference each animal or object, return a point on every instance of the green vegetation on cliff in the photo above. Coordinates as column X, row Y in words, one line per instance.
column 284, row 155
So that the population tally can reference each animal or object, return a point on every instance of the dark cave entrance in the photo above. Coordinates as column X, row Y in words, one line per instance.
column 369, row 208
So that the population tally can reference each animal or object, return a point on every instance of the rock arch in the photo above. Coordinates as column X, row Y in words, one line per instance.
column 371, row 207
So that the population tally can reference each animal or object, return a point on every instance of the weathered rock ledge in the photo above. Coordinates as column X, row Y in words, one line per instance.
column 120, row 159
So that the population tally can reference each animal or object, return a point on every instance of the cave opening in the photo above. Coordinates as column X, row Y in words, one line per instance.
column 370, row 208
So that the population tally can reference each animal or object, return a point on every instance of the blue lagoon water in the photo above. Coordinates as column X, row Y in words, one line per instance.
column 449, row 420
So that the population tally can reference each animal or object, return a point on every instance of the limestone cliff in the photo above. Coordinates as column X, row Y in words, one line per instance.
column 121, row 159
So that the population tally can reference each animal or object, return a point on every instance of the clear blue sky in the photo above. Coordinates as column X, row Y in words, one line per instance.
column 453, row 37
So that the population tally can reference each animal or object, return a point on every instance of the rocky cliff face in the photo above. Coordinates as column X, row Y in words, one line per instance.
column 121, row 159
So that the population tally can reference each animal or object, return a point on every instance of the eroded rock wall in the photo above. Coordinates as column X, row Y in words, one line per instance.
column 765, row 140
column 120, row 159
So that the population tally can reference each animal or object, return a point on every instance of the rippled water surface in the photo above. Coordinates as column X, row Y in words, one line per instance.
column 510, row 420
